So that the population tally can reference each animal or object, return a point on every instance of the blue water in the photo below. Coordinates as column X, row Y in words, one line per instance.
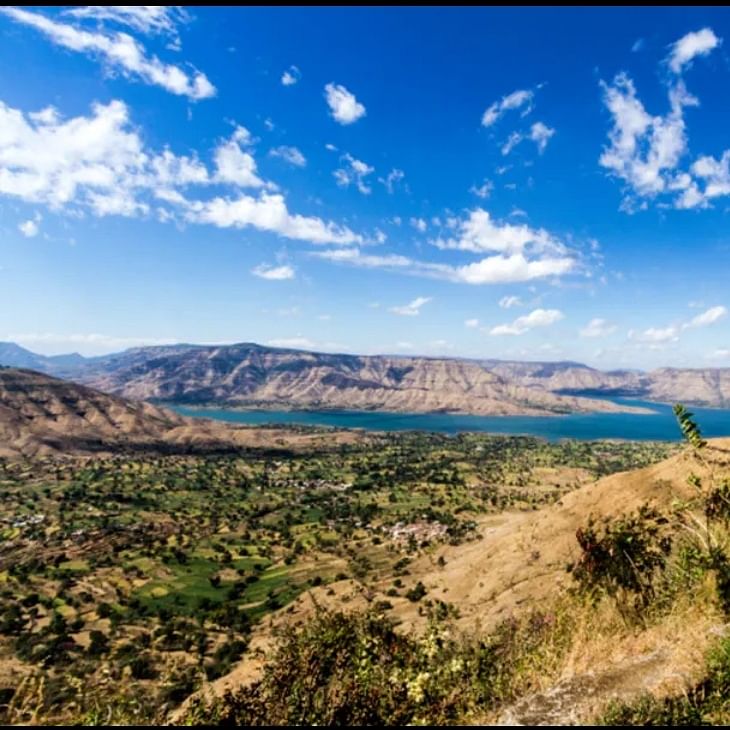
column 659, row 425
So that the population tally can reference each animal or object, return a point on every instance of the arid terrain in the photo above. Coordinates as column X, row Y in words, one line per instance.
column 253, row 376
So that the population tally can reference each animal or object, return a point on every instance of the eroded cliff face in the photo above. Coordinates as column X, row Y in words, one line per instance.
column 249, row 375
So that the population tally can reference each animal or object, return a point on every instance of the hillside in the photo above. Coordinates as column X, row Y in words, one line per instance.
column 518, row 566
column 255, row 376
column 45, row 416
column 250, row 375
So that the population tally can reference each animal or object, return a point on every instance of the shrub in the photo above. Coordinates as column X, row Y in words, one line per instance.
column 622, row 557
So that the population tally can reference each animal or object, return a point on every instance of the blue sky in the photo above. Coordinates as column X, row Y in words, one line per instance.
column 536, row 184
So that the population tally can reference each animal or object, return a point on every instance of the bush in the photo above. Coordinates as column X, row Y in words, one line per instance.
column 355, row 669
column 622, row 557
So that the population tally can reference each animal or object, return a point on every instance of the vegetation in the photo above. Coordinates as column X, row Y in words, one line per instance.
column 129, row 582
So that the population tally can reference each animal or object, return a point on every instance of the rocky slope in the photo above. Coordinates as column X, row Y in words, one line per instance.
column 255, row 376
column 43, row 416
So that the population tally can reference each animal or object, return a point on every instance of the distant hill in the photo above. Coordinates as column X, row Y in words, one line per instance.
column 45, row 416
column 251, row 375
column 254, row 376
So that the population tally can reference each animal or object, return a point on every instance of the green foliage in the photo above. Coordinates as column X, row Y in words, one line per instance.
column 690, row 429
column 355, row 669
column 622, row 557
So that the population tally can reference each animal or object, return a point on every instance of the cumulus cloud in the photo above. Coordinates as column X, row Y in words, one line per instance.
column 646, row 151
column 712, row 315
column 98, row 163
column 120, row 52
column 344, row 107
column 354, row 172
column 520, row 99
column 419, row 224
column 412, row 309
column 508, row 302
column 656, row 335
column 521, row 253
column 598, row 328
column 699, row 43
column 536, row 318
column 471, row 323
column 268, row 212
column 484, row 190
column 236, row 166
column 147, row 19
column 28, row 228
column 539, row 133
column 671, row 333
column 291, row 76
column 392, row 180
column 479, row 232
column 273, row 273
column 292, row 155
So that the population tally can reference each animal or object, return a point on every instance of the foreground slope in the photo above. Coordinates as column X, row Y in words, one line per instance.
column 519, row 565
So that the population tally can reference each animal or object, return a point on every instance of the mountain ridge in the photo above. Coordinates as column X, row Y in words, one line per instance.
column 250, row 375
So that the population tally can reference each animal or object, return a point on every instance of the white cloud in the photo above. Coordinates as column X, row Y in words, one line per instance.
column 598, row 328
column 515, row 100
column 419, row 224
column 699, row 43
column 712, row 315
column 507, row 269
column 645, row 151
column 273, row 273
column 484, row 190
column 148, row 19
column 344, row 107
column 412, row 309
column 291, row 76
column 86, row 343
column 28, row 228
column 235, row 166
column 661, row 335
column 656, row 335
column 120, row 52
column 55, row 162
column 268, row 212
column 536, row 318
column 508, row 302
column 295, row 343
column 354, row 172
column 471, row 323
column 541, row 134
column 394, row 177
column 292, row 155
column 99, row 163
column 480, row 232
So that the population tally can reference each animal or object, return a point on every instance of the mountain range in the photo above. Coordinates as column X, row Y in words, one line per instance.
column 248, row 375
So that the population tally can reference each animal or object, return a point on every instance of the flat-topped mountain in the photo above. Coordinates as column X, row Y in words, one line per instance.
column 250, row 375
column 254, row 376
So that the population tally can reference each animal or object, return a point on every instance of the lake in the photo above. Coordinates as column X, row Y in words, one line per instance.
column 658, row 426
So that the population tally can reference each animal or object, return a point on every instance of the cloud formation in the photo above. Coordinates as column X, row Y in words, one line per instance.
column 536, row 318
column 119, row 52
column 344, row 107
column 412, row 309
